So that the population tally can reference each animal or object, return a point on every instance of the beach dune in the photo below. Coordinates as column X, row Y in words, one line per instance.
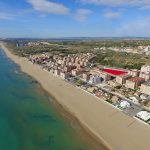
column 117, row 130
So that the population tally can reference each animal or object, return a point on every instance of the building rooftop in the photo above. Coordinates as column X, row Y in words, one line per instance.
column 134, row 70
column 125, row 75
column 136, row 79
column 95, row 70
column 114, row 71
column 144, row 115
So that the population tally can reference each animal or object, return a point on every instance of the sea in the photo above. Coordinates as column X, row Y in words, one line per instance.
column 29, row 119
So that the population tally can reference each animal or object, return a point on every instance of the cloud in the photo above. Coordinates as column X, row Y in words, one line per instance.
column 46, row 6
column 138, row 27
column 6, row 16
column 147, row 7
column 103, row 2
column 82, row 14
column 112, row 15
column 114, row 3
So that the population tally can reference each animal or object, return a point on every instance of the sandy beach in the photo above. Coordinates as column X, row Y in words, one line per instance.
column 117, row 130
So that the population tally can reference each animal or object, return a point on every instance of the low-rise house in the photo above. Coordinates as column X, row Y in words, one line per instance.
column 92, row 89
column 85, row 86
column 115, row 99
column 67, row 68
column 59, row 61
column 64, row 75
column 137, row 94
column 57, row 72
column 72, row 59
column 70, row 64
column 134, row 100
column 81, row 63
column 147, row 104
column 85, row 63
column 52, row 70
column 144, row 97
column 76, row 72
column 134, row 82
column 78, row 66
column 124, row 104
column 145, row 88
column 63, row 63
column 143, row 115
column 112, row 83
column 102, row 97
column 147, row 53
column 86, row 76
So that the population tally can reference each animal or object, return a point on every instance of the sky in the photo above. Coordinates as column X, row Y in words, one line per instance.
column 74, row 18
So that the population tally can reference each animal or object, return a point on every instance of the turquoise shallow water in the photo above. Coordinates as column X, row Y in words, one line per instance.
column 28, row 121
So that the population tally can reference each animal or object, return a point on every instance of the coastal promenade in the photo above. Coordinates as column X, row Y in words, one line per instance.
column 117, row 130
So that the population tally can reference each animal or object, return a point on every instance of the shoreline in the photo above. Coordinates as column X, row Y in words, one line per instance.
column 116, row 130
column 84, row 132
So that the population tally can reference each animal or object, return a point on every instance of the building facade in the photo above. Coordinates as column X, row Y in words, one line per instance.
column 134, row 82
column 122, row 78
column 95, row 79
column 145, row 88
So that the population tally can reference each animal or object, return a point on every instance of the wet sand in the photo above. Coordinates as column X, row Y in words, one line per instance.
column 115, row 129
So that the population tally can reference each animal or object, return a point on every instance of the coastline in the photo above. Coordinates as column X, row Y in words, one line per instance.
column 116, row 130
column 84, row 133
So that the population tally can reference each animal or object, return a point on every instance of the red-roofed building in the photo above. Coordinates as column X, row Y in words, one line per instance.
column 114, row 72
column 134, row 82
